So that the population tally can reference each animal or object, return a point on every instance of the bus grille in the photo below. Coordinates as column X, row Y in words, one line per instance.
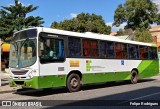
column 20, row 72
column 19, row 82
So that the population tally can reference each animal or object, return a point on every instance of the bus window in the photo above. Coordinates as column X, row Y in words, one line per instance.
column 74, row 46
column 110, row 49
column 121, row 51
column 153, row 53
column 94, row 49
column 86, row 48
column 103, row 51
column 143, row 51
column 133, row 52
column 90, row 48
column 28, row 50
column 53, row 50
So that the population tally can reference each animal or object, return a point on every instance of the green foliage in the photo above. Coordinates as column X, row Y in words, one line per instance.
column 143, row 35
column 119, row 15
column 158, row 19
column 13, row 18
column 84, row 23
column 137, row 14
column 121, row 32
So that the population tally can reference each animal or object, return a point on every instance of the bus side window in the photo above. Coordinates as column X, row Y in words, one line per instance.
column 85, row 52
column 52, row 50
column 86, row 47
column 110, row 49
column 60, row 49
column 91, row 47
column 152, row 53
column 74, row 46
column 133, row 52
column 143, row 52
column 103, row 49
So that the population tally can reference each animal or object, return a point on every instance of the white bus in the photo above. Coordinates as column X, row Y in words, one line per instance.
column 46, row 58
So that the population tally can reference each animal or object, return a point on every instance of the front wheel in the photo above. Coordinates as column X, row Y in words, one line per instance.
column 73, row 83
column 134, row 76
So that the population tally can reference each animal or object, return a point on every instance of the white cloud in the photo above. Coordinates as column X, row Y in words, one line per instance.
column 109, row 23
column 158, row 3
column 10, row 5
column 114, row 28
column 73, row 15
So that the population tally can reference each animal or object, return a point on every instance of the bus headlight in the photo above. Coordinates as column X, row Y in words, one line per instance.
column 31, row 74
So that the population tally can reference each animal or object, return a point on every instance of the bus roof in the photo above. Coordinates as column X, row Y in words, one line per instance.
column 90, row 35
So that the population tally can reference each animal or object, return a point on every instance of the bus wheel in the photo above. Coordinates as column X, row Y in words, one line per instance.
column 134, row 76
column 73, row 82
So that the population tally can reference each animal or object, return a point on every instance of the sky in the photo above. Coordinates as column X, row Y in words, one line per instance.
column 58, row 10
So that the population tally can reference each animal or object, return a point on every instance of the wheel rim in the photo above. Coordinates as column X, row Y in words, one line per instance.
column 134, row 78
column 74, row 83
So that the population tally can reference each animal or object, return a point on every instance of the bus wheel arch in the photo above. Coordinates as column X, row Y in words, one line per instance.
column 73, row 81
column 134, row 76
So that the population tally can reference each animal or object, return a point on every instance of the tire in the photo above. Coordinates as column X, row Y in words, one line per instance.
column 134, row 76
column 73, row 83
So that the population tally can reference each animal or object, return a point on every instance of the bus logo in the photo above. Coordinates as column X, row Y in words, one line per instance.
column 122, row 62
column 88, row 65
column 74, row 63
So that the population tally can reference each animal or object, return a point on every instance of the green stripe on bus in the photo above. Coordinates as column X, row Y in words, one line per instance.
column 41, row 82
column 105, row 77
column 52, row 81
column 148, row 68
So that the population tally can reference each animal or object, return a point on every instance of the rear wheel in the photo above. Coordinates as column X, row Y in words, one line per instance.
column 134, row 76
column 73, row 82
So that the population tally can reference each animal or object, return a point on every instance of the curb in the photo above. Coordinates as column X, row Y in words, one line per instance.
column 8, row 91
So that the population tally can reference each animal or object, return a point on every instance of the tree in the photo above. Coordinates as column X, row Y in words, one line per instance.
column 137, row 14
column 13, row 18
column 121, row 32
column 6, row 25
column 84, row 22
column 143, row 35
column 119, row 15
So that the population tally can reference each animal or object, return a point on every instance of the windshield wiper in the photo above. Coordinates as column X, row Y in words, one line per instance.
column 15, row 45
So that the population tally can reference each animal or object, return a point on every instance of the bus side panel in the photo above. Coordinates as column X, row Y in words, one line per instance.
column 116, row 72
column 52, row 75
column 105, row 70
column 31, row 83
column 148, row 68
column 105, row 77
column 52, row 81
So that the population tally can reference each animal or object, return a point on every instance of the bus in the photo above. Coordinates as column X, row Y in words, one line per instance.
column 43, row 58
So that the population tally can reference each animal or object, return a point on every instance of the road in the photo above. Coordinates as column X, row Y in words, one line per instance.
column 119, row 93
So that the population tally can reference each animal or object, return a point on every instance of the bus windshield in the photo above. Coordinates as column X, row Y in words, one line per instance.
column 23, row 49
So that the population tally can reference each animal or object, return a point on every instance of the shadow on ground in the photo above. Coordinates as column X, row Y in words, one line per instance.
column 145, row 98
column 51, row 91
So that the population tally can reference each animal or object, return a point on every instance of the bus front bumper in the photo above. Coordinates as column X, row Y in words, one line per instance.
column 29, row 83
